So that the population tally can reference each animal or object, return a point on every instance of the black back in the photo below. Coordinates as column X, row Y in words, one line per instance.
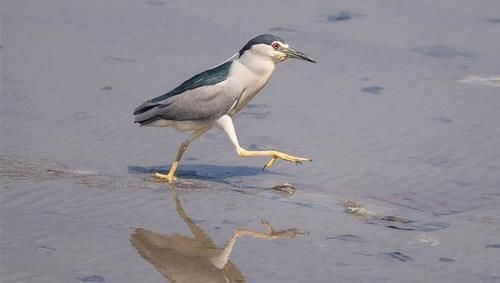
column 263, row 38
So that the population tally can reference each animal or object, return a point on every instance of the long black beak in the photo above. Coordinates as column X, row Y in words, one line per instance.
column 292, row 53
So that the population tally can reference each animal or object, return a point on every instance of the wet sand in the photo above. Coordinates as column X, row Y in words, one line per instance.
column 387, row 115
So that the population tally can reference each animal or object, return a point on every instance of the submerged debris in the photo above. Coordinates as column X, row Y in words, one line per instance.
column 285, row 188
column 389, row 221
column 357, row 209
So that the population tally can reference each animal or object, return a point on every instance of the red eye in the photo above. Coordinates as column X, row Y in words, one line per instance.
column 275, row 46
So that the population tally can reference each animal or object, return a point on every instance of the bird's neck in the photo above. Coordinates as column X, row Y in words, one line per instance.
column 256, row 63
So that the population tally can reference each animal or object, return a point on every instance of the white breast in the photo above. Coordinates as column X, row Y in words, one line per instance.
column 251, row 76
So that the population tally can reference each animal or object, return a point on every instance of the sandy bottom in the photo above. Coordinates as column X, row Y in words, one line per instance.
column 400, row 115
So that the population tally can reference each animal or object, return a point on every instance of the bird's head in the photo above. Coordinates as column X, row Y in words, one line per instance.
column 272, row 47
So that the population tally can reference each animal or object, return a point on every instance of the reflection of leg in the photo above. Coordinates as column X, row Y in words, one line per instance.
column 226, row 124
column 271, row 234
column 197, row 232
column 182, row 148
column 221, row 259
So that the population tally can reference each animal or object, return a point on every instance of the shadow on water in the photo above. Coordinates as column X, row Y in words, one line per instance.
column 15, row 168
column 228, row 175
column 205, row 171
column 181, row 258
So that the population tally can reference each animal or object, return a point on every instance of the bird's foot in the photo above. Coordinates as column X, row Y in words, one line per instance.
column 270, row 234
column 290, row 233
column 169, row 178
column 287, row 157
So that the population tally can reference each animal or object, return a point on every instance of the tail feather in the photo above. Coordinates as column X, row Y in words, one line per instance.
column 145, row 114
column 148, row 105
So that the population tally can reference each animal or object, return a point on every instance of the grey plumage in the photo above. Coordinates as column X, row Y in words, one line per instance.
column 212, row 98
column 202, row 87
column 196, row 99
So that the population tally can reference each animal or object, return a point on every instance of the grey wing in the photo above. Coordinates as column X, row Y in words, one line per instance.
column 199, row 104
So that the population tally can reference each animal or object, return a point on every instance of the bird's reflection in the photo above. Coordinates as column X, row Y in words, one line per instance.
column 196, row 259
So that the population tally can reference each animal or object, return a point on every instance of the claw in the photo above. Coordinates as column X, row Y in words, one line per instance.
column 270, row 163
column 168, row 178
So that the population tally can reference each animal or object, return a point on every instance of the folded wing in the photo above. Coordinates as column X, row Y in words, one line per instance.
column 206, row 96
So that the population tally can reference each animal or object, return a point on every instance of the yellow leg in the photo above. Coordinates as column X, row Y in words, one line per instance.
column 226, row 124
column 170, row 178
column 221, row 259
column 274, row 154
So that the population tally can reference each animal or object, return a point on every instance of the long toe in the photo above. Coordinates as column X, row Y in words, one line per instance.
column 291, row 158
column 286, row 157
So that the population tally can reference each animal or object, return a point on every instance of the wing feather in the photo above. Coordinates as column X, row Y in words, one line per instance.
column 203, row 103
column 203, row 97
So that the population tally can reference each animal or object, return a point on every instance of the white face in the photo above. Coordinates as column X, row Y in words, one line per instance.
column 271, row 51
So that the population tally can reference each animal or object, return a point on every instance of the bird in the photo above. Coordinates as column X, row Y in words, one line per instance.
column 213, row 97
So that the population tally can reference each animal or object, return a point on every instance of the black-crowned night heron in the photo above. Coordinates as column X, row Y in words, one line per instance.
column 213, row 97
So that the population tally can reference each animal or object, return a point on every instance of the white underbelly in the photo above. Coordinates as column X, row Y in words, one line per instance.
column 183, row 126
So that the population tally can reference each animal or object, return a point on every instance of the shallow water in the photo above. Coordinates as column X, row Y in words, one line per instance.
column 384, row 115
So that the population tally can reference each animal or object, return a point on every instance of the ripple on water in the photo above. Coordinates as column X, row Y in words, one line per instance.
column 395, row 256
column 91, row 279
